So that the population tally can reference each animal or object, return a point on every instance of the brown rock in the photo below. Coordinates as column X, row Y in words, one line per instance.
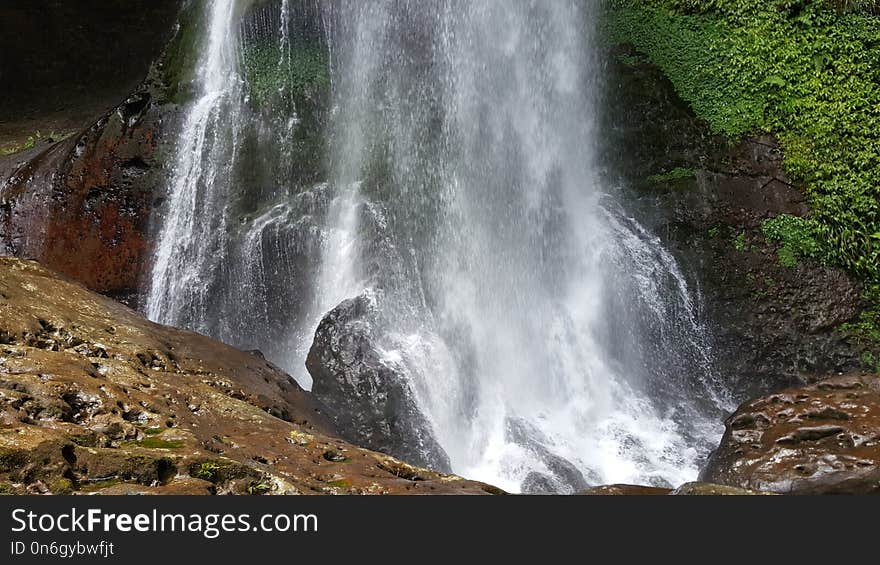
column 818, row 439
column 95, row 398
column 625, row 490
column 709, row 489
column 82, row 206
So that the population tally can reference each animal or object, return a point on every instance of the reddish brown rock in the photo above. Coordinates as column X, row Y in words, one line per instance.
column 94, row 399
column 818, row 439
column 82, row 206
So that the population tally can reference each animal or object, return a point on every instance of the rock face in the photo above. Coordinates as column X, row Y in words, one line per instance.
column 774, row 326
column 819, row 439
column 93, row 398
column 369, row 399
column 82, row 206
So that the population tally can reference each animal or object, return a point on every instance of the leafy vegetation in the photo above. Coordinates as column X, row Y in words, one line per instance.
column 805, row 70
column 207, row 471
column 32, row 140
column 679, row 173
column 797, row 239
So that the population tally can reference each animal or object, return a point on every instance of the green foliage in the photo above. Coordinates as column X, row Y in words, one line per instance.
column 208, row 471
column 798, row 239
column 679, row 173
column 271, row 71
column 739, row 243
column 32, row 141
column 805, row 70
column 258, row 488
column 871, row 362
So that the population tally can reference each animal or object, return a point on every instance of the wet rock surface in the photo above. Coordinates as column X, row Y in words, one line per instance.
column 689, row 489
column 369, row 399
column 818, row 439
column 625, row 490
column 562, row 477
column 82, row 206
column 773, row 326
column 95, row 399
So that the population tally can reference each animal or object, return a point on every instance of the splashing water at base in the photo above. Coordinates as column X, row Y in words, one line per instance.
column 550, row 340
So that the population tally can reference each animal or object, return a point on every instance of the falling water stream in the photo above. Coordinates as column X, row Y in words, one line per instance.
column 542, row 329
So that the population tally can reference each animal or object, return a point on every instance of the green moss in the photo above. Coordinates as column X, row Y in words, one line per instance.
column 100, row 485
column 61, row 486
column 258, row 488
column 156, row 443
column 739, row 243
column 32, row 140
column 871, row 362
column 807, row 71
column 676, row 174
column 342, row 483
column 178, row 67
column 271, row 72
column 153, row 431
column 8, row 489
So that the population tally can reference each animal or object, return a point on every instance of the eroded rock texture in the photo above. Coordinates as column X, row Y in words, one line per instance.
column 818, row 439
column 82, row 206
column 94, row 398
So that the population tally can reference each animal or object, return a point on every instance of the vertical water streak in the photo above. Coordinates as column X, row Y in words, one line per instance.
column 190, row 248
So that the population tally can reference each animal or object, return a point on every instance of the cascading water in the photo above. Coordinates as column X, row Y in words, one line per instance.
column 549, row 339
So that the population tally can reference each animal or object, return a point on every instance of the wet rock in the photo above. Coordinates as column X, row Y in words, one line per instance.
column 562, row 476
column 708, row 489
column 75, row 422
column 79, row 206
column 818, row 439
column 625, row 490
column 369, row 400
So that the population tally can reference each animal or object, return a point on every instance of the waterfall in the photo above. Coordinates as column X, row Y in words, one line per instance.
column 549, row 338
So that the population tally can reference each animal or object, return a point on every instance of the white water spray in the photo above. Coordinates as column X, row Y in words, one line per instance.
column 550, row 340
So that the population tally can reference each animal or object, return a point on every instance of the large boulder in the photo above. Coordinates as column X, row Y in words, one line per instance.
column 818, row 439
column 370, row 399
column 96, row 399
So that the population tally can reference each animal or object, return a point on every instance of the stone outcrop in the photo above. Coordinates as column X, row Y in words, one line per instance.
column 689, row 489
column 80, row 200
column 82, row 206
column 96, row 399
column 818, row 439
column 369, row 399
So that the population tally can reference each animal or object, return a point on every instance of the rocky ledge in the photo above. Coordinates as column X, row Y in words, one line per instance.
column 96, row 399
column 818, row 439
